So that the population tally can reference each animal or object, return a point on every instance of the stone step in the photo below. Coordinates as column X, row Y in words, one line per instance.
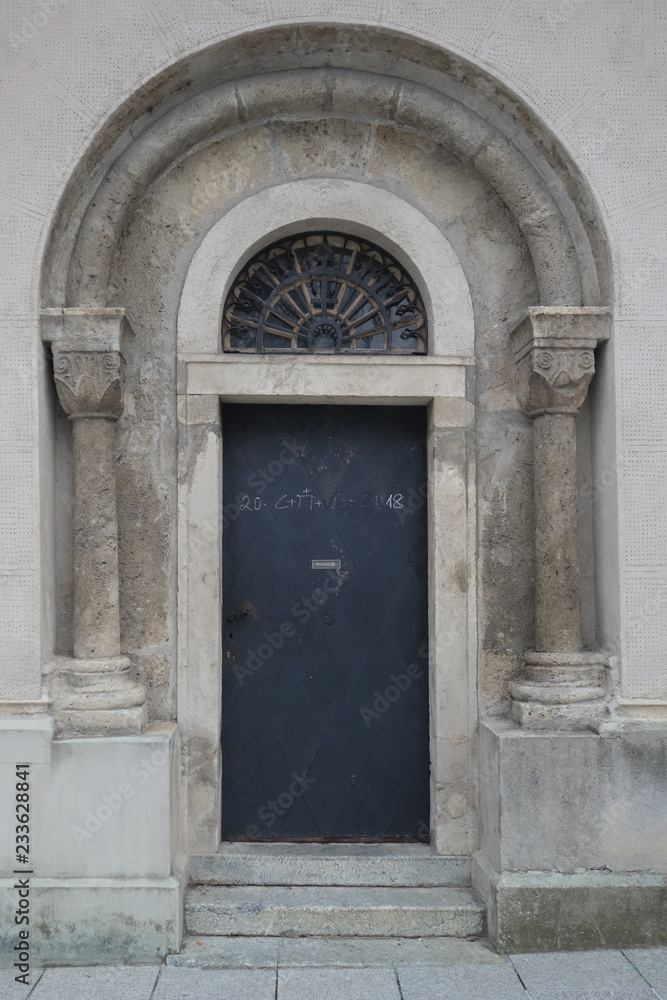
column 211, row 952
column 332, row 911
column 329, row 864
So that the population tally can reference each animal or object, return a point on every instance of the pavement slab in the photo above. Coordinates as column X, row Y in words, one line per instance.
column 468, row 972
column 337, row 984
column 461, row 982
column 100, row 982
column 584, row 975
column 216, row 984
column 652, row 964
column 11, row 990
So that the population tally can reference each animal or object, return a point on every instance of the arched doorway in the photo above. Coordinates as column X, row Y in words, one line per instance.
column 181, row 213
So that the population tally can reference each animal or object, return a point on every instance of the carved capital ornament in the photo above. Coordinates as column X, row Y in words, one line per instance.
column 88, row 364
column 554, row 379
column 555, row 357
column 89, row 383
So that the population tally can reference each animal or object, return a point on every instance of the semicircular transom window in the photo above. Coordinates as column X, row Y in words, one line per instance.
column 324, row 293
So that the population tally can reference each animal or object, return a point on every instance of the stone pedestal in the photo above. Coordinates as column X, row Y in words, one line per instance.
column 572, row 837
column 93, row 692
column 563, row 687
column 107, row 877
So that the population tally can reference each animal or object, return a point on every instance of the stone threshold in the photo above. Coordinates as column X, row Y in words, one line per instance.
column 199, row 952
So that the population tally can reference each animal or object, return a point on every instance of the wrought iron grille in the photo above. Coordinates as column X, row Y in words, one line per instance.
column 324, row 293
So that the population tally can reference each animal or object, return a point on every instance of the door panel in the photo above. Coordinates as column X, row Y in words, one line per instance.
column 325, row 679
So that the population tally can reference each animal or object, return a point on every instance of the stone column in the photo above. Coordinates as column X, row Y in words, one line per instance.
column 563, row 687
column 93, row 691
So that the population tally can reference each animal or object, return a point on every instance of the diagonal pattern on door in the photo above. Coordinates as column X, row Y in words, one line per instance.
column 325, row 679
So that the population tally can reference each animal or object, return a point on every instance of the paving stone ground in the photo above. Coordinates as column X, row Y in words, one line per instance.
column 636, row 974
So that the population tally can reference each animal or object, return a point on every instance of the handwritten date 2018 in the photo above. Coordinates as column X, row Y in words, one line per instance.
column 307, row 500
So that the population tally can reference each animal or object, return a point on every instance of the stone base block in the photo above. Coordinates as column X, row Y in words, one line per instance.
column 578, row 715
column 92, row 722
column 573, row 837
column 95, row 921
column 100, row 807
column 551, row 911
column 101, row 875
column 573, row 801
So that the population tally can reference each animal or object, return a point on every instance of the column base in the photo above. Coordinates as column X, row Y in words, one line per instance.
column 97, row 697
column 581, row 715
column 562, row 691
column 112, row 722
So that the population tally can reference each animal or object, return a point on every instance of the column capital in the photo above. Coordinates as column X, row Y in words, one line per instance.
column 554, row 351
column 88, row 364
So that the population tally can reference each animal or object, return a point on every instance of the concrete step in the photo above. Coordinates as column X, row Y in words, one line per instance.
column 329, row 864
column 211, row 952
column 332, row 911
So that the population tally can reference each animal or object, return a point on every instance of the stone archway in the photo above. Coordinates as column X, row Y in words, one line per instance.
column 558, row 315
column 558, row 250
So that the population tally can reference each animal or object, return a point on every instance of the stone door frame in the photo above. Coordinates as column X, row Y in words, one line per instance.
column 438, row 381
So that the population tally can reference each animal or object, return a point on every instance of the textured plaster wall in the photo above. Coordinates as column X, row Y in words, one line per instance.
column 592, row 72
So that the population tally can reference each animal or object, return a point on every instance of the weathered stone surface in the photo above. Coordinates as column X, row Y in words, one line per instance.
column 96, row 620
column 90, row 382
column 306, row 147
column 552, row 912
column 557, row 598
column 560, row 690
column 96, row 921
column 312, row 90
column 89, row 372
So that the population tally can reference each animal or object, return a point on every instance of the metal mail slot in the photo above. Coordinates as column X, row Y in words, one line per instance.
column 325, row 564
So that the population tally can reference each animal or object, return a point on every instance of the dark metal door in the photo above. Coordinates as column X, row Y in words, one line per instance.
column 325, row 679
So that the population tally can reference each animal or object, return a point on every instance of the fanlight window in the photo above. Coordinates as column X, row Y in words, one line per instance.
column 324, row 293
